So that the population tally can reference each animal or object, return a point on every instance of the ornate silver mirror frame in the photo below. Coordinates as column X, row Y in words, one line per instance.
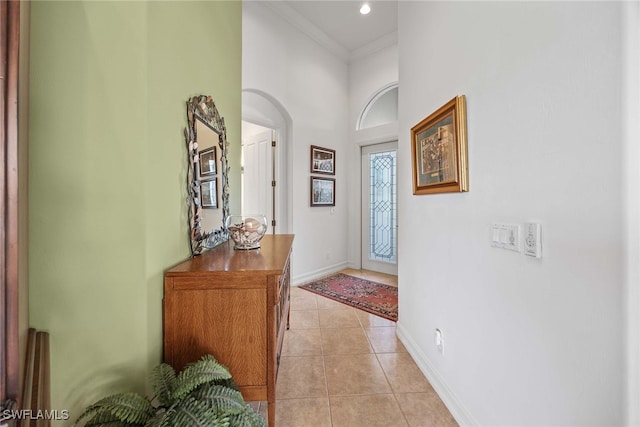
column 203, row 115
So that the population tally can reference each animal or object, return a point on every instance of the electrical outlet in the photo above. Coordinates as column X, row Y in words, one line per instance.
column 531, row 240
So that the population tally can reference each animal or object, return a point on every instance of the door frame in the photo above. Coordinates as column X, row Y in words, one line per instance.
column 382, row 266
column 370, row 136
column 9, row 301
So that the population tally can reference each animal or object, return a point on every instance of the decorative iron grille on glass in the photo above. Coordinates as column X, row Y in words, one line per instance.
column 382, row 210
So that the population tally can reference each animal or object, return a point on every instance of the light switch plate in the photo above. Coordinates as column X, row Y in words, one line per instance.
column 506, row 236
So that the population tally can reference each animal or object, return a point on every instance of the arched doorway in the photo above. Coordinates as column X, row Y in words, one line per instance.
column 266, row 159
column 379, row 215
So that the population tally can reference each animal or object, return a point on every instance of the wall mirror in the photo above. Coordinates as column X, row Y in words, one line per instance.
column 207, row 174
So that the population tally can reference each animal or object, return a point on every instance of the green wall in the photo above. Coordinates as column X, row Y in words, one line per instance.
column 107, row 171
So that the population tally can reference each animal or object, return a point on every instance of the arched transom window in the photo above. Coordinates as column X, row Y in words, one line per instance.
column 381, row 109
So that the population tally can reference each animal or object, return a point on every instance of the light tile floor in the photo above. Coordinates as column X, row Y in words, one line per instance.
column 341, row 366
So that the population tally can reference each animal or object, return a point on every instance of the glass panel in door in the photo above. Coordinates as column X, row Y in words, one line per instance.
column 379, row 208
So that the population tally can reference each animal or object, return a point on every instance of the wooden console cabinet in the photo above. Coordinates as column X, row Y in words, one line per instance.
column 233, row 304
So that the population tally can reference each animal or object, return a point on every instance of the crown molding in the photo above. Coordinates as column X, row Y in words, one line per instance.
column 304, row 25
column 375, row 46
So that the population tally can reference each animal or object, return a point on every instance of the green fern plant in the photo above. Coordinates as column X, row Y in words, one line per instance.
column 203, row 394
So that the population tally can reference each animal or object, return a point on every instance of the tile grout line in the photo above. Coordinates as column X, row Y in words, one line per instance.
column 393, row 392
column 324, row 364
column 363, row 329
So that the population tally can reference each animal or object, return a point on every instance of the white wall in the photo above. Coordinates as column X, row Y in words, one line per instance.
column 312, row 85
column 631, row 91
column 367, row 75
column 527, row 342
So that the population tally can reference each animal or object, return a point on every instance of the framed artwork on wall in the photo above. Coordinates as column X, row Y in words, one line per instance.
column 439, row 150
column 323, row 191
column 323, row 160
column 207, row 160
column 209, row 194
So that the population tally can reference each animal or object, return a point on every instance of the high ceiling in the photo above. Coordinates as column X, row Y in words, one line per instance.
column 342, row 22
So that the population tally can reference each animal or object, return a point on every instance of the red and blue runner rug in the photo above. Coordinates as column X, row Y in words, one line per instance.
column 372, row 297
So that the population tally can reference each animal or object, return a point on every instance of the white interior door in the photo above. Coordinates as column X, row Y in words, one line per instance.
column 379, row 208
column 257, row 175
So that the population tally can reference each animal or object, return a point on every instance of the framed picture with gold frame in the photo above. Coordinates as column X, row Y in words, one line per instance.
column 439, row 150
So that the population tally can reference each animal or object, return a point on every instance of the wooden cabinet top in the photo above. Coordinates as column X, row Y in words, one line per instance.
column 269, row 259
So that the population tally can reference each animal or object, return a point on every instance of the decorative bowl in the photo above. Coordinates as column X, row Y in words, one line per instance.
column 246, row 230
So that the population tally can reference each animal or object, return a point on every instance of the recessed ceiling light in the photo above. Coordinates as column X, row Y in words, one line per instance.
column 365, row 9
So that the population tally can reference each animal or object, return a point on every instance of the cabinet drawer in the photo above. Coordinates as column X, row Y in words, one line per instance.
column 183, row 283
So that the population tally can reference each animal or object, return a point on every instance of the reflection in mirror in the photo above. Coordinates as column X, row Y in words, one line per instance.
column 207, row 174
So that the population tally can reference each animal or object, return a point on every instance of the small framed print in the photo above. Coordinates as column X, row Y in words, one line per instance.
column 323, row 160
column 208, row 161
column 209, row 194
column 323, row 191
column 439, row 150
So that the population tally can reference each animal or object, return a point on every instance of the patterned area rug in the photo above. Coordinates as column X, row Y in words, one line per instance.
column 375, row 298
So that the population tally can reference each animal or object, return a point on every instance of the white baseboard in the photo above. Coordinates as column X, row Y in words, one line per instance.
column 457, row 409
column 313, row 275
column 354, row 265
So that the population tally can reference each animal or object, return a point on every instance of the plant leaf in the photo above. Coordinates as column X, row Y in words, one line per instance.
column 163, row 378
column 229, row 382
column 203, row 371
column 190, row 413
column 106, row 419
column 229, row 401
column 247, row 418
column 112, row 424
column 130, row 408
column 221, row 398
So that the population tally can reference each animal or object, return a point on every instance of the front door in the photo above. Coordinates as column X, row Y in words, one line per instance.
column 379, row 208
